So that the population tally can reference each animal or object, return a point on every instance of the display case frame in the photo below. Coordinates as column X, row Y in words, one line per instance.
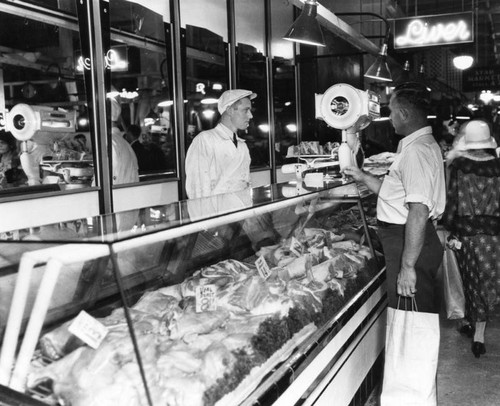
column 289, row 381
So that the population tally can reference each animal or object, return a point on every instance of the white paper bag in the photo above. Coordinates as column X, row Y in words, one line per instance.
column 453, row 290
column 411, row 357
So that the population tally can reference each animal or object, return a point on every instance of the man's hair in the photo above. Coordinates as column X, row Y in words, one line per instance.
column 413, row 96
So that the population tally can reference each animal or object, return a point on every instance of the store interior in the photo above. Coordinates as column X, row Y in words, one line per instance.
column 72, row 239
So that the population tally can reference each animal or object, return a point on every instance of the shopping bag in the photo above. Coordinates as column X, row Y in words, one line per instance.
column 453, row 293
column 411, row 358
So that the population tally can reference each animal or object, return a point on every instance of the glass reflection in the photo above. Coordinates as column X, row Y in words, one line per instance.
column 251, row 74
column 205, row 28
column 283, row 69
column 45, row 144
column 140, row 85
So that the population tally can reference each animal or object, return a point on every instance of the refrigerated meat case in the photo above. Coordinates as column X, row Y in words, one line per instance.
column 272, row 295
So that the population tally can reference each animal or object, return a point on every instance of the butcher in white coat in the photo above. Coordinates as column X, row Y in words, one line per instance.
column 218, row 161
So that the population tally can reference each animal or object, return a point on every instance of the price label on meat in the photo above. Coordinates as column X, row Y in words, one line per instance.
column 206, row 298
column 262, row 267
column 88, row 329
column 296, row 247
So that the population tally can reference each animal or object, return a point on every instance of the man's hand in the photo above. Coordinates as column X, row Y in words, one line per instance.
column 407, row 282
column 354, row 172
column 371, row 182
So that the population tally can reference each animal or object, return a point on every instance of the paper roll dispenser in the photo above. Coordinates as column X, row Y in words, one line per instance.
column 343, row 106
column 24, row 121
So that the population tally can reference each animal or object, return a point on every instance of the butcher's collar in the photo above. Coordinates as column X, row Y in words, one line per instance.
column 226, row 133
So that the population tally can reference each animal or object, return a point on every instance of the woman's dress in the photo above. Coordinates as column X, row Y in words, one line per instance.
column 473, row 215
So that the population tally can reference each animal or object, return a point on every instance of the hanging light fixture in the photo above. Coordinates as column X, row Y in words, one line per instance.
column 306, row 28
column 379, row 70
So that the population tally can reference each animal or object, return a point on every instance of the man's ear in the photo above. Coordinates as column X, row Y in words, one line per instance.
column 404, row 113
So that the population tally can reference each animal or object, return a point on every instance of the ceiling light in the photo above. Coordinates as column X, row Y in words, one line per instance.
column 165, row 103
column 463, row 62
column 379, row 69
column 209, row 100
column 306, row 28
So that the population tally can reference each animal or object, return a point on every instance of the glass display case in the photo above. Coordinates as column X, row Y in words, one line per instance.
column 272, row 295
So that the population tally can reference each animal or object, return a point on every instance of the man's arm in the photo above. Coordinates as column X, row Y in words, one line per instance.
column 418, row 215
column 371, row 182
column 198, row 162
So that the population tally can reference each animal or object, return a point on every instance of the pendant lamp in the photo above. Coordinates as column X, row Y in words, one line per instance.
column 306, row 28
column 379, row 70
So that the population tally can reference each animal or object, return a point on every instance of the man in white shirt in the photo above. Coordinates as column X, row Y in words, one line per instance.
column 410, row 197
column 218, row 161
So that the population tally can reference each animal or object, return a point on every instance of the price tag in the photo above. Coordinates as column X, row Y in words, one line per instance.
column 262, row 267
column 88, row 329
column 206, row 299
column 338, row 274
column 296, row 247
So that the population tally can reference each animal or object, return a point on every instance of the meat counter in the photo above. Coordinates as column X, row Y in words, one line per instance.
column 272, row 295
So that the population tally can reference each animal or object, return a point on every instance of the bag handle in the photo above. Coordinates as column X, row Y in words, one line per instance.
column 414, row 307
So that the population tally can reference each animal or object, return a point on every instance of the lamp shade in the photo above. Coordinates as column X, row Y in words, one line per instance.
column 379, row 69
column 463, row 62
column 306, row 28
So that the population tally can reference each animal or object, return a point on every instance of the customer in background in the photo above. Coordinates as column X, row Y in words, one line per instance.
column 11, row 173
column 125, row 167
column 156, row 158
column 133, row 135
column 218, row 160
column 410, row 197
column 473, row 217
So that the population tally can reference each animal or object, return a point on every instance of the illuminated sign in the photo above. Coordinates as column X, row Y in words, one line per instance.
column 425, row 31
column 115, row 59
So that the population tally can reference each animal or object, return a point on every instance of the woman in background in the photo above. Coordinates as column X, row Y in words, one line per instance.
column 472, row 215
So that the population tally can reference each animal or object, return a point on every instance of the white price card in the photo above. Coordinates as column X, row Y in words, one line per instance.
column 206, row 298
column 88, row 329
column 296, row 247
column 339, row 274
column 262, row 267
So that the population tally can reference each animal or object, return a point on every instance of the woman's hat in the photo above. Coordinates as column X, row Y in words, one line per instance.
column 476, row 135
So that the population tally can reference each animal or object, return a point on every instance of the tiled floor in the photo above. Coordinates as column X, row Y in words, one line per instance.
column 464, row 380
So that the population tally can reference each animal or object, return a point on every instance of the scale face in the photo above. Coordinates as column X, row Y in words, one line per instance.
column 342, row 106
column 345, row 108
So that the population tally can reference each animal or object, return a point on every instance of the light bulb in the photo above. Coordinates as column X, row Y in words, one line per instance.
column 463, row 61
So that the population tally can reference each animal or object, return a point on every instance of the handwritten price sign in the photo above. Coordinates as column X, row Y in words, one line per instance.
column 88, row 329
column 296, row 247
column 206, row 298
column 262, row 267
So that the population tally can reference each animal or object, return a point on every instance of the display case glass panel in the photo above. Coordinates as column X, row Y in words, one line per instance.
column 206, row 301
